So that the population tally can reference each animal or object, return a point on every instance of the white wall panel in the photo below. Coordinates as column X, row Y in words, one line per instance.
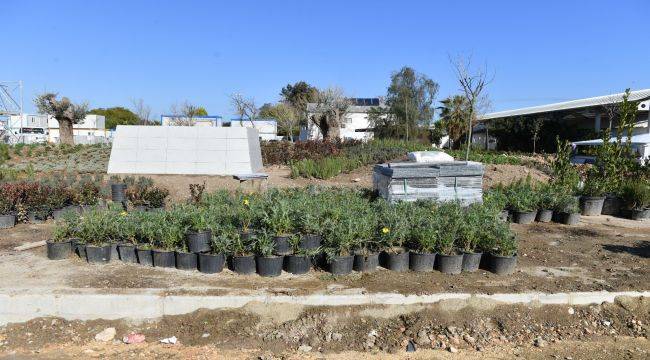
column 185, row 150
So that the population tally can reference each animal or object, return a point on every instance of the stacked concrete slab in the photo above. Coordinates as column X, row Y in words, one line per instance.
column 185, row 150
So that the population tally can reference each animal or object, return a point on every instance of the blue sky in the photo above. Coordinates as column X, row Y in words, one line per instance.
column 108, row 52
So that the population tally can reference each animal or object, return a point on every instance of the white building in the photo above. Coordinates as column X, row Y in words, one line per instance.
column 268, row 128
column 355, row 124
column 36, row 128
column 171, row 120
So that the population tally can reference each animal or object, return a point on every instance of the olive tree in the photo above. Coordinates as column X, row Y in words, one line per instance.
column 331, row 106
column 64, row 111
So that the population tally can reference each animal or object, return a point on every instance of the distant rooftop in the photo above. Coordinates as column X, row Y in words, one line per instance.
column 638, row 95
column 359, row 105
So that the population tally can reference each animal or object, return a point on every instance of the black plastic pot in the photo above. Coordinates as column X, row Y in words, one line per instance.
column 611, row 205
column 118, row 192
column 396, row 261
column 127, row 253
column 281, row 245
column 243, row 265
column 471, row 261
column 145, row 256
column 421, row 262
column 163, row 258
column 198, row 241
column 544, row 215
column 503, row 265
column 449, row 264
column 211, row 263
column 638, row 214
column 58, row 250
column 36, row 218
column 115, row 254
column 98, row 254
column 569, row 218
column 309, row 242
column 297, row 264
column 519, row 217
column 341, row 265
column 269, row 266
column 7, row 221
column 186, row 261
column 365, row 262
column 78, row 247
column 592, row 205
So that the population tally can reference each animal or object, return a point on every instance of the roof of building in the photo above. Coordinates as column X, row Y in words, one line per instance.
column 358, row 105
column 258, row 121
column 638, row 95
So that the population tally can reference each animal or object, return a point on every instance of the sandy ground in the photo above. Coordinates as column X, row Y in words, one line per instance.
column 608, row 331
column 601, row 253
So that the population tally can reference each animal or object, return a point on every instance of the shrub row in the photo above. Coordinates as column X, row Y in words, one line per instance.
column 341, row 224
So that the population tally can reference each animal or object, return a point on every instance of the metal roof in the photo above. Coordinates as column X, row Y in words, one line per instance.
column 638, row 95
column 636, row 139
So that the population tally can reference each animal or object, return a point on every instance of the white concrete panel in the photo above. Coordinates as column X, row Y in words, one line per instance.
column 178, row 155
column 153, row 143
column 125, row 143
column 185, row 150
column 151, row 155
column 212, row 144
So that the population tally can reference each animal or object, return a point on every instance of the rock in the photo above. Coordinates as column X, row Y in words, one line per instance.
column 606, row 323
column 452, row 349
column 539, row 342
column 468, row 339
column 170, row 340
column 304, row 348
column 356, row 180
column 107, row 334
column 423, row 338
column 336, row 336
column 571, row 311
column 205, row 335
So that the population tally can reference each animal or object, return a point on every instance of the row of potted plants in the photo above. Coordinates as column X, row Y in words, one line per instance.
column 337, row 229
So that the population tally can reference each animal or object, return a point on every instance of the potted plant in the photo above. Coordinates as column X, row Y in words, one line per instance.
column 241, row 248
column 423, row 237
column 277, row 220
column 392, row 233
column 170, row 237
column 7, row 216
column 155, row 198
column 60, row 246
column 95, row 230
column 199, row 235
column 310, row 225
column 471, row 228
column 212, row 262
column 299, row 262
column 268, row 264
column 340, row 238
column 497, row 199
column 593, row 195
column 366, row 256
column 546, row 202
column 636, row 199
column 448, row 219
column 86, row 193
column 184, row 259
column 118, row 189
column 522, row 201
column 127, row 229
column 244, row 214
column 59, row 201
column 566, row 209
column 504, row 255
column 148, row 233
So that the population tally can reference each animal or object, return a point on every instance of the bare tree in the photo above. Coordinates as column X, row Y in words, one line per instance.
column 331, row 107
column 537, row 127
column 245, row 108
column 64, row 111
column 184, row 114
column 473, row 83
column 142, row 111
column 611, row 109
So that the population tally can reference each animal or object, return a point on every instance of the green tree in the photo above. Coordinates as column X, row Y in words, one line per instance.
column 285, row 116
column 116, row 116
column 298, row 95
column 201, row 111
column 410, row 99
column 453, row 114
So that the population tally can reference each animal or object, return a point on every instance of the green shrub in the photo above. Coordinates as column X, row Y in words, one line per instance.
column 636, row 194
column 522, row 196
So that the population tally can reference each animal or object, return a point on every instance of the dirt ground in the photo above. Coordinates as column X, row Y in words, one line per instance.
column 601, row 253
column 607, row 331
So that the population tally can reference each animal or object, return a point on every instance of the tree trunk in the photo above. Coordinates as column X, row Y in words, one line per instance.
column 66, row 135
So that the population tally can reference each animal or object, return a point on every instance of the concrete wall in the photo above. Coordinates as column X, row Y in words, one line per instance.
column 185, row 150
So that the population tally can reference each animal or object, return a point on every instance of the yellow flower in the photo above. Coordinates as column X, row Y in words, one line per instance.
column 385, row 230
column 123, row 213
column 245, row 201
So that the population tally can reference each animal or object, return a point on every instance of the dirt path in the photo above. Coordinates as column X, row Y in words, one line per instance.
column 608, row 331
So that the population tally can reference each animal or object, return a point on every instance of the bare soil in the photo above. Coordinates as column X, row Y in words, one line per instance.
column 601, row 253
column 607, row 331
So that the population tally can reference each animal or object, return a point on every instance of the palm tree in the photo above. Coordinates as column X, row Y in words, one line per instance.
column 453, row 116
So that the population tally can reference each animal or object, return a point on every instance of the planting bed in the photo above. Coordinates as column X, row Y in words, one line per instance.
column 601, row 253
